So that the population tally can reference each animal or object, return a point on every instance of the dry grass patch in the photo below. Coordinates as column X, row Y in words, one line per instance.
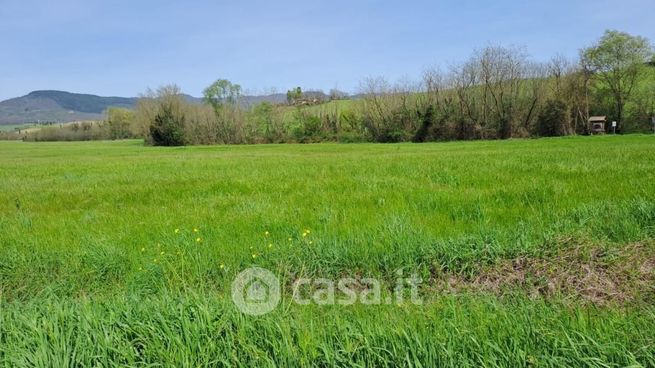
column 600, row 275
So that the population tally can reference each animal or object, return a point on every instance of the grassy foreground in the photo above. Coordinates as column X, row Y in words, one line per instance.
column 532, row 252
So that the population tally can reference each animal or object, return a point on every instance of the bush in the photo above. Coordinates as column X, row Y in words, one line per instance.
column 167, row 129
column 77, row 131
column 120, row 123
column 306, row 127
column 553, row 120
column 427, row 120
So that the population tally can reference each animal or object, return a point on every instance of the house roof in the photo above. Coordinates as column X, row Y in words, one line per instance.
column 597, row 118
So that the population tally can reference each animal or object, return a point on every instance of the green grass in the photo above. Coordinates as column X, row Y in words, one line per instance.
column 330, row 107
column 201, row 331
column 92, row 271
column 14, row 127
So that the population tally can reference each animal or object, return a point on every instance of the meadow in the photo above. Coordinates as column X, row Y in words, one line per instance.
column 8, row 128
column 533, row 252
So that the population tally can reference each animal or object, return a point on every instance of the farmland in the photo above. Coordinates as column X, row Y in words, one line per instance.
column 532, row 252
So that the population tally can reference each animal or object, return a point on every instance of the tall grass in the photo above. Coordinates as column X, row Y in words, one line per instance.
column 93, row 271
column 193, row 330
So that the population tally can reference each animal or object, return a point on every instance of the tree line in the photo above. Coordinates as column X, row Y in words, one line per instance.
column 497, row 93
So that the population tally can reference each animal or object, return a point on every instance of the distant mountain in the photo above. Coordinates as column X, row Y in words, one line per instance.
column 63, row 107
column 58, row 106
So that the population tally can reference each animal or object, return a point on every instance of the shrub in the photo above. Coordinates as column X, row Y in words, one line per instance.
column 77, row 131
column 167, row 129
column 553, row 120
column 120, row 123
column 427, row 120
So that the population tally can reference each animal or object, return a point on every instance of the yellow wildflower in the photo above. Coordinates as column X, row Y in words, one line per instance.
column 195, row 230
column 177, row 231
column 198, row 240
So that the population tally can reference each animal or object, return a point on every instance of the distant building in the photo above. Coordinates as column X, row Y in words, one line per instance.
column 597, row 124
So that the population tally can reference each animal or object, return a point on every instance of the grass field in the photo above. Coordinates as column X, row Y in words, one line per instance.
column 532, row 252
column 13, row 127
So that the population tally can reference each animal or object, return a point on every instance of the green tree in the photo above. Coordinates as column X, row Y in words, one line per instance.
column 221, row 92
column 223, row 96
column 120, row 122
column 263, row 117
column 618, row 59
column 553, row 119
column 293, row 95
column 167, row 129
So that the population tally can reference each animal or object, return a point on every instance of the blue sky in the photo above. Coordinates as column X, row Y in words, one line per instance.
column 120, row 47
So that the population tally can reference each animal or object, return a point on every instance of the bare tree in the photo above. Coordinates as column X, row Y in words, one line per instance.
column 471, row 103
column 502, row 74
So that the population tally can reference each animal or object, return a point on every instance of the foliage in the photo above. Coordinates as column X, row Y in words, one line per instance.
column 497, row 93
column 121, row 123
column 293, row 95
column 267, row 122
column 167, row 129
column 618, row 60
column 77, row 131
column 222, row 92
column 553, row 120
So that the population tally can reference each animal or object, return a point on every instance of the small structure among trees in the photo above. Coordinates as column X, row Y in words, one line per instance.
column 597, row 124
column 296, row 97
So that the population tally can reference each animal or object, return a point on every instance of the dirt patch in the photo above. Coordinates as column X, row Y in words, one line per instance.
column 598, row 275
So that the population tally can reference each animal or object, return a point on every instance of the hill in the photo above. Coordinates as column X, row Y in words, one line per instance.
column 58, row 106
column 63, row 107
